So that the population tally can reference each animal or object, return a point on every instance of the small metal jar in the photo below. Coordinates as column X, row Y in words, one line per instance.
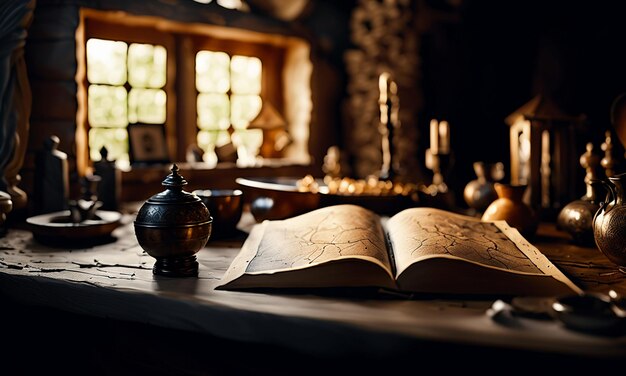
column 172, row 226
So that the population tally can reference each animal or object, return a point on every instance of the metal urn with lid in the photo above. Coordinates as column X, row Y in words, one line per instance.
column 172, row 226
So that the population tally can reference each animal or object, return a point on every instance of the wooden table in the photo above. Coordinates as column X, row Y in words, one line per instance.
column 108, row 301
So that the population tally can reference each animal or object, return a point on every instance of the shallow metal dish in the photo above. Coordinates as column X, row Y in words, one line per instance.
column 279, row 197
column 57, row 228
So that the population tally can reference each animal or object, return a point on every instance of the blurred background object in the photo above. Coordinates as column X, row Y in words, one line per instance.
column 225, row 207
column 480, row 192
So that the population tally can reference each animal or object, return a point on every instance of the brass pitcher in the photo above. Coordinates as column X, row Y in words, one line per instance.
column 609, row 223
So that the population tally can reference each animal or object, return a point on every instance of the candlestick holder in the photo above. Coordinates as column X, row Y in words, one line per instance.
column 438, row 194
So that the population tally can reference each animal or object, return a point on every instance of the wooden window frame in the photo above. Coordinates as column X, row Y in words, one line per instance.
column 99, row 27
column 182, row 42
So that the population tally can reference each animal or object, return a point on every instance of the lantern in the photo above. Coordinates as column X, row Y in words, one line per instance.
column 544, row 154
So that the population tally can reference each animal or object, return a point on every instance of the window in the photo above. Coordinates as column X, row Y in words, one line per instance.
column 203, row 83
column 229, row 98
column 125, row 86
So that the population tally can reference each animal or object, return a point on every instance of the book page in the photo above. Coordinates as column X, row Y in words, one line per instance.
column 421, row 233
column 323, row 235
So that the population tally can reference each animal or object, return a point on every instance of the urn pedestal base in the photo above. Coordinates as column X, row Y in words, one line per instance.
column 182, row 266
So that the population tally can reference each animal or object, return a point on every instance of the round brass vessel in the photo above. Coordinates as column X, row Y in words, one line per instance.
column 172, row 226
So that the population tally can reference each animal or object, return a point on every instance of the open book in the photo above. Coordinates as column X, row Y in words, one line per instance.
column 417, row 250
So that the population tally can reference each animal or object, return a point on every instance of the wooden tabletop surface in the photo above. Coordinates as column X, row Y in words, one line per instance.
column 115, row 280
column 584, row 265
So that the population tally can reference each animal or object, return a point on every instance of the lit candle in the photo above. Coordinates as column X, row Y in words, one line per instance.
column 434, row 136
column 444, row 134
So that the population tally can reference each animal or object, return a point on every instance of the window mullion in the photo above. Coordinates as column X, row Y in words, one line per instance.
column 186, row 95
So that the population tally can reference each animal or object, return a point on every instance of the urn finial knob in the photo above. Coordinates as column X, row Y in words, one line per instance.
column 174, row 180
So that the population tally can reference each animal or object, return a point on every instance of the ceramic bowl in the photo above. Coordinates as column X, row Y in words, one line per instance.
column 225, row 207
column 277, row 198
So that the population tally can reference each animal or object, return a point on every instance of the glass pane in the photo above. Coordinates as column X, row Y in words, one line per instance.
column 245, row 75
column 106, row 106
column 251, row 139
column 208, row 139
column 115, row 140
column 248, row 142
column 213, row 110
column 146, row 65
column 212, row 73
column 146, row 106
column 244, row 109
column 106, row 62
column 231, row 4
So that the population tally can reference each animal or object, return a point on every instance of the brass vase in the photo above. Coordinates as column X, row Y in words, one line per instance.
column 480, row 192
column 609, row 223
column 510, row 206
column 576, row 218
column 172, row 226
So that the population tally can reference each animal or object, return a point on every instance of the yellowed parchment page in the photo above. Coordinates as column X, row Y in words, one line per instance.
column 423, row 234
column 342, row 245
